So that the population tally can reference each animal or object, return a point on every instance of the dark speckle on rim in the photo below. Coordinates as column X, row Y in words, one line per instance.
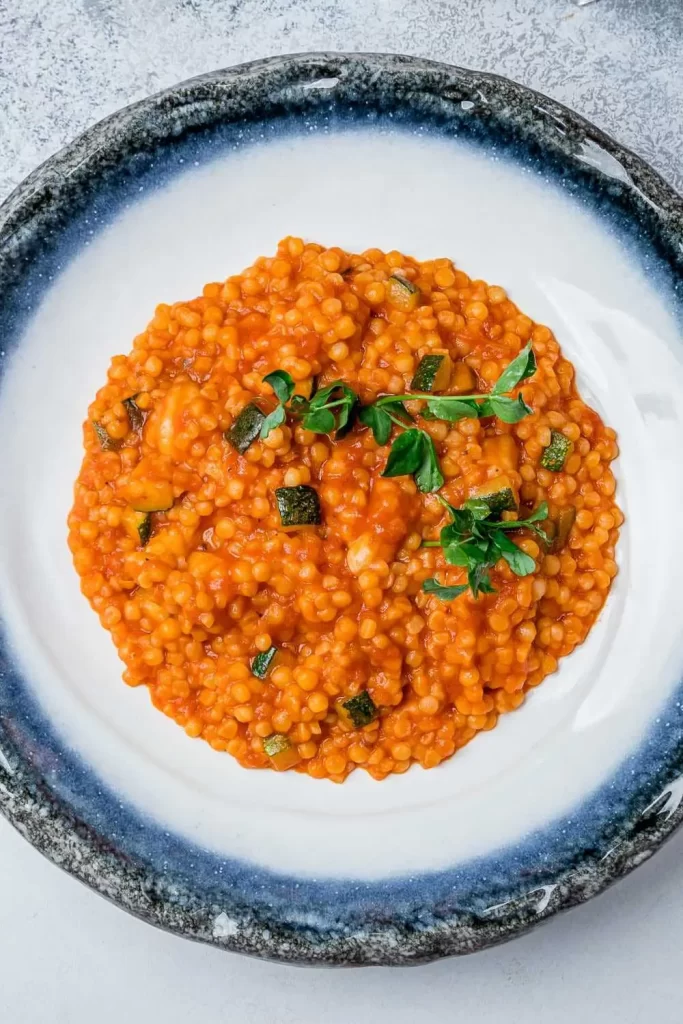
column 229, row 904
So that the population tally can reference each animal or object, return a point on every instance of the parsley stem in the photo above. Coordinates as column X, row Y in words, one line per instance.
column 388, row 399
column 331, row 405
column 399, row 423
column 431, row 544
column 513, row 524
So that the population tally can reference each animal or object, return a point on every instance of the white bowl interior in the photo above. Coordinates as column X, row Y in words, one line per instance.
column 430, row 197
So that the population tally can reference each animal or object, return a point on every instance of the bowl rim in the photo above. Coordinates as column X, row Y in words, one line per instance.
column 49, row 824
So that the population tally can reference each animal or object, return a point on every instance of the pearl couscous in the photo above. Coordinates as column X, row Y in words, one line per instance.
column 295, row 630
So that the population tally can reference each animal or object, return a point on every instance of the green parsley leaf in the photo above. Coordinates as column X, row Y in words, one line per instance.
column 429, row 477
column 454, row 555
column 407, row 454
column 509, row 410
column 398, row 410
column 477, row 508
column 518, row 560
column 319, row 421
column 538, row 514
column 456, row 531
column 432, row 586
column 461, row 522
column 381, row 417
column 476, row 552
column 282, row 384
column 480, row 581
column 519, row 369
column 299, row 405
column 452, row 408
column 320, row 417
column 345, row 419
column 273, row 420
column 379, row 421
column 327, row 394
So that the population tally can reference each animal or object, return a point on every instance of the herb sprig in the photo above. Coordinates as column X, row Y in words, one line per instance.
column 283, row 385
column 330, row 410
column 413, row 452
column 495, row 403
column 476, row 540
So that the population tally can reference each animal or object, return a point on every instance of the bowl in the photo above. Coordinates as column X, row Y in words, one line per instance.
column 565, row 796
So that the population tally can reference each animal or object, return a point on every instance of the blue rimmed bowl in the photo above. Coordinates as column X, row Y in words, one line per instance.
column 563, row 797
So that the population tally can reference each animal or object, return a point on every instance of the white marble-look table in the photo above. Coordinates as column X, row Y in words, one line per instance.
column 68, row 957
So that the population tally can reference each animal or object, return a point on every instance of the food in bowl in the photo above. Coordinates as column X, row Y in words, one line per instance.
column 344, row 510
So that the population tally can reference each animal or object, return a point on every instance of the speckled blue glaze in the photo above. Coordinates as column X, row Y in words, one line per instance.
column 51, row 795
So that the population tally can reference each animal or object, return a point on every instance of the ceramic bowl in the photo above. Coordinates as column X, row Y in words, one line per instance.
column 566, row 795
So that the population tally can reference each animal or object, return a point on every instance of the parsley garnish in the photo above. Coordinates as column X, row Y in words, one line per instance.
column 329, row 410
column 495, row 403
column 476, row 540
column 332, row 411
column 283, row 386
column 413, row 452
column 444, row 593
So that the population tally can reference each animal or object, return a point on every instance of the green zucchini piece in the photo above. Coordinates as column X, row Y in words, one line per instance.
column 555, row 455
column 500, row 501
column 280, row 750
column 144, row 527
column 138, row 524
column 298, row 506
column 433, row 373
column 246, row 428
column 107, row 443
column 136, row 416
column 153, row 496
column 359, row 710
column 402, row 293
column 263, row 662
column 498, row 495
column 565, row 521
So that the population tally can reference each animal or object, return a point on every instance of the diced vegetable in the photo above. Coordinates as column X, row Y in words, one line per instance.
column 148, row 495
column 298, row 506
column 501, row 451
column 555, row 455
column 107, row 443
column 359, row 710
column 168, row 418
column 246, row 428
column 498, row 494
column 138, row 525
column 361, row 552
column 565, row 521
column 136, row 416
column 282, row 753
column 403, row 294
column 463, row 381
column 263, row 662
column 433, row 373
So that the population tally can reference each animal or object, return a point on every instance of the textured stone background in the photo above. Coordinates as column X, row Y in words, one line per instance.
column 67, row 63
